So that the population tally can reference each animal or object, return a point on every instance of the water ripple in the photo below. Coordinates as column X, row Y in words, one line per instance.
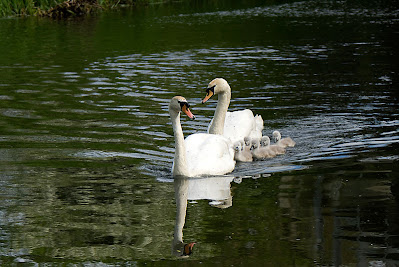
column 301, row 9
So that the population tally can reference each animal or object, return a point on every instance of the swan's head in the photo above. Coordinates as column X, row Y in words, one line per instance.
column 179, row 103
column 276, row 136
column 183, row 250
column 188, row 249
column 216, row 86
column 247, row 141
column 265, row 141
column 254, row 143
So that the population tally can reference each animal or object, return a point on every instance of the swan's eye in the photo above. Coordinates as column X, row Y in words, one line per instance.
column 211, row 89
column 183, row 103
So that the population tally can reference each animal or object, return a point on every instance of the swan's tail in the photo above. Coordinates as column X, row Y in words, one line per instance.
column 259, row 122
column 257, row 130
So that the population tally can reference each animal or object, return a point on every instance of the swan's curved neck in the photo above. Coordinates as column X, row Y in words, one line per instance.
column 217, row 126
column 179, row 162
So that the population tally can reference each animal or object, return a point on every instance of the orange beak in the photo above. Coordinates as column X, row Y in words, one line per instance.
column 188, row 248
column 186, row 110
column 208, row 95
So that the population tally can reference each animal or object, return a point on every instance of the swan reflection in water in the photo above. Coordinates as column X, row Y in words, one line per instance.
column 215, row 189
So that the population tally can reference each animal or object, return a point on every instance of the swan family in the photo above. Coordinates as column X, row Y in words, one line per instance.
column 231, row 136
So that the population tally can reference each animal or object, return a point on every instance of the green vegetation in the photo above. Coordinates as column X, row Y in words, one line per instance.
column 59, row 8
column 25, row 7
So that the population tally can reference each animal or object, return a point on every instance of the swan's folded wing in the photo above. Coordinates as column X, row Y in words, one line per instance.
column 209, row 154
column 238, row 124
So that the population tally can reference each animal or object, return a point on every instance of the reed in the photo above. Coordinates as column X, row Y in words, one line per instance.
column 25, row 7
column 40, row 7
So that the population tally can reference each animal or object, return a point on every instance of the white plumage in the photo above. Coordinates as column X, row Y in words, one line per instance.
column 235, row 125
column 199, row 154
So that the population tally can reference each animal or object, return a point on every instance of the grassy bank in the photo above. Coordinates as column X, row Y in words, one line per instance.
column 41, row 7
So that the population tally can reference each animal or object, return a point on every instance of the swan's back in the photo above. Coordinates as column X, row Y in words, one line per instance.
column 242, row 123
column 257, row 131
column 209, row 154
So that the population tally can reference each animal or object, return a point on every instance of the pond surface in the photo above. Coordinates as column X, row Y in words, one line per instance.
column 86, row 144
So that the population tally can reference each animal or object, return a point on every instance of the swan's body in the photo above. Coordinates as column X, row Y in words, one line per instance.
column 234, row 125
column 287, row 141
column 200, row 154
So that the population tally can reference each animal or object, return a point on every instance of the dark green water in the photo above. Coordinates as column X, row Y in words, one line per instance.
column 86, row 143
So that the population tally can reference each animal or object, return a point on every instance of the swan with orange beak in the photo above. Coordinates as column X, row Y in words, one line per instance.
column 200, row 153
column 234, row 125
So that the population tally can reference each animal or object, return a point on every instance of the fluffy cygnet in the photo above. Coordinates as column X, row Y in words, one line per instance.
column 240, row 154
column 277, row 150
column 260, row 152
column 287, row 141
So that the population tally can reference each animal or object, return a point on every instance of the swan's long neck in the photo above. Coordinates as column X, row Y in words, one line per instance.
column 217, row 126
column 179, row 162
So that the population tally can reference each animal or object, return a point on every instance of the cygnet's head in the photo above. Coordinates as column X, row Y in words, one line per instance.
column 247, row 141
column 276, row 136
column 216, row 86
column 179, row 103
column 265, row 141
column 254, row 143
column 242, row 144
column 237, row 146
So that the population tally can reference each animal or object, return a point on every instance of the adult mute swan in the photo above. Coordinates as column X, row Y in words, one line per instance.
column 287, row 141
column 201, row 153
column 234, row 125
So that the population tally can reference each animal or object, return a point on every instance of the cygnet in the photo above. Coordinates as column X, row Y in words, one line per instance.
column 277, row 150
column 287, row 141
column 240, row 154
column 260, row 152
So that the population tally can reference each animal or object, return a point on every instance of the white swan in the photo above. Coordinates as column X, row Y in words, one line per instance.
column 234, row 125
column 287, row 141
column 200, row 154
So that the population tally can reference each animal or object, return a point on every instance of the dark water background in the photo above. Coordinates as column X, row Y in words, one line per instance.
column 86, row 144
